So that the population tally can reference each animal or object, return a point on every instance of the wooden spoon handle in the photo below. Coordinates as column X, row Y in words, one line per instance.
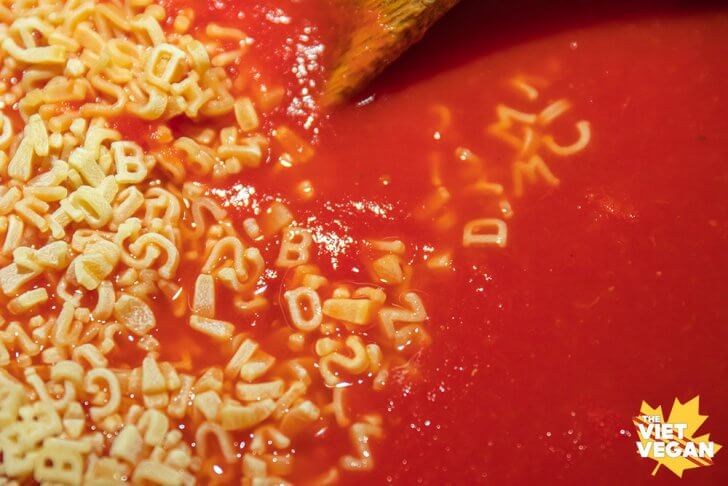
column 387, row 28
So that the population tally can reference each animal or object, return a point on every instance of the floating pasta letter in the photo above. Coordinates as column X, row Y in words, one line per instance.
column 149, row 247
column 584, row 130
column 164, row 66
column 203, row 302
column 134, row 314
column 295, row 246
column 388, row 316
column 485, row 232
column 227, row 263
column 361, row 433
column 35, row 55
column 130, row 167
column 304, row 306
column 88, row 204
column 357, row 363
column 58, row 465
column 113, row 390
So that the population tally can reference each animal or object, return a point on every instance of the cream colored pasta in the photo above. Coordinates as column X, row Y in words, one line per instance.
column 485, row 232
column 302, row 301
column 529, row 164
column 109, row 239
column 295, row 247
column 361, row 433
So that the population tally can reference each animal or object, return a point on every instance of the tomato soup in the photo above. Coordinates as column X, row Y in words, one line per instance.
column 474, row 272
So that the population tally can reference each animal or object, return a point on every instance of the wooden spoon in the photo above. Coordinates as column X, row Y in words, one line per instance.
column 385, row 29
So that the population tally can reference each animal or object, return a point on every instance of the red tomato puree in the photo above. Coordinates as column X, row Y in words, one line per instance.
column 612, row 287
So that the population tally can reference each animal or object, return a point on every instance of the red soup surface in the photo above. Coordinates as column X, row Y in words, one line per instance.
column 557, row 176
column 610, row 289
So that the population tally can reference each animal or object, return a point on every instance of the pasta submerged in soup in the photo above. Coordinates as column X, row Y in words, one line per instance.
column 115, row 254
column 206, row 279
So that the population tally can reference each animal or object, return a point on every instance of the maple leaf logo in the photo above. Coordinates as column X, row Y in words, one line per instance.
column 672, row 442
